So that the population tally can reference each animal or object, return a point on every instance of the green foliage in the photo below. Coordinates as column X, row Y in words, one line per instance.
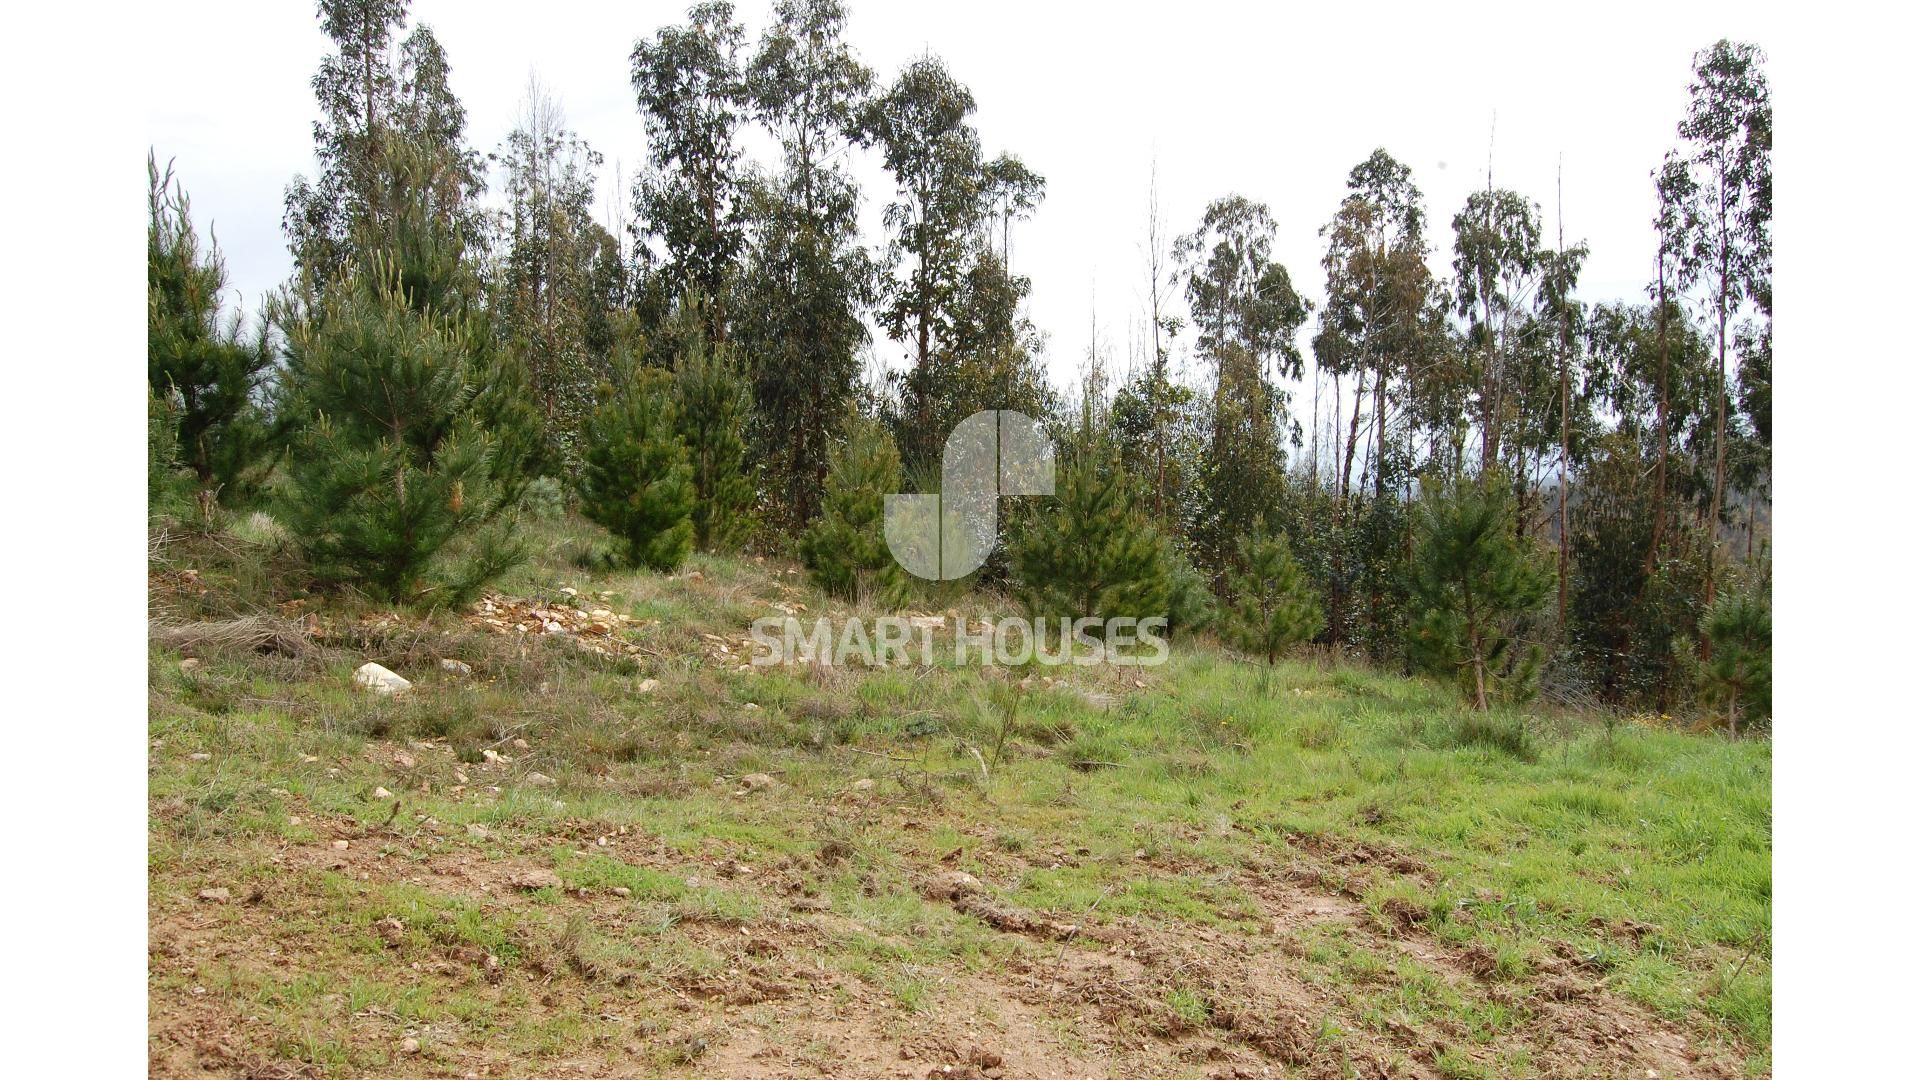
column 1473, row 585
column 636, row 479
column 1190, row 603
column 712, row 407
column 807, row 277
column 205, row 376
column 687, row 82
column 396, row 461
column 845, row 551
column 1739, row 674
column 1092, row 553
column 1274, row 607
column 415, row 437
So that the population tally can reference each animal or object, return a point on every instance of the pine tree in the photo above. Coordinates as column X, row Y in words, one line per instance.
column 1473, row 583
column 636, row 479
column 1093, row 553
column 712, row 405
column 845, row 550
column 1274, row 607
column 1739, row 675
column 415, row 434
column 205, row 375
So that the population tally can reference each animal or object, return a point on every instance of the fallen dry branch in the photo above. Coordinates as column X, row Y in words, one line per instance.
column 253, row 633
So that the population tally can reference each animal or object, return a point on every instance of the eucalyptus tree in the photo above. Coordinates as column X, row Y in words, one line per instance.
column 1378, row 290
column 546, row 287
column 1246, row 313
column 369, row 94
column 933, row 152
column 692, row 93
column 1727, row 137
column 807, row 279
column 1498, row 266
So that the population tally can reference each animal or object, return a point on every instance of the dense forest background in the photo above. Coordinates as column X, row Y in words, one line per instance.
column 1485, row 477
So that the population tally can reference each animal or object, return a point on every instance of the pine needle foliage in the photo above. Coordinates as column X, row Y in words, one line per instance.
column 636, row 479
column 845, row 550
column 207, row 376
column 1274, row 607
column 1093, row 553
column 1473, row 585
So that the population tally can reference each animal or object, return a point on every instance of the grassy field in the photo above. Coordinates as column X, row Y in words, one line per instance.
column 642, row 859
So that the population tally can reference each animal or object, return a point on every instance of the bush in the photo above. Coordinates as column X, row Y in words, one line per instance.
column 1092, row 554
column 636, row 480
column 845, row 551
column 1473, row 584
column 1739, row 673
column 416, row 432
column 712, row 408
column 205, row 376
column 1273, row 606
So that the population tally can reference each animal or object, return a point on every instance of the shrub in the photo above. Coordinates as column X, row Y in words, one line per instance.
column 1273, row 606
column 635, row 479
column 845, row 550
column 1473, row 582
column 712, row 406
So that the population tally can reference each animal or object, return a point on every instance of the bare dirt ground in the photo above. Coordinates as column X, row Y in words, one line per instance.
column 1059, row 999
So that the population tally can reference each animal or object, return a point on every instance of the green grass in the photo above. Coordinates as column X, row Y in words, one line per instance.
column 1640, row 856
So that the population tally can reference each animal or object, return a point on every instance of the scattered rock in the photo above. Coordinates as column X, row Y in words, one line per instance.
column 199, row 757
column 751, row 707
column 491, row 757
column 409, row 1046
column 215, row 896
column 188, row 665
column 695, row 577
column 341, row 845
column 456, row 667
column 382, row 793
column 538, row 779
column 379, row 680
column 951, row 885
column 755, row 781
column 478, row 832
column 534, row 878
column 863, row 786
column 403, row 759
column 520, row 744
column 648, row 686
column 622, row 890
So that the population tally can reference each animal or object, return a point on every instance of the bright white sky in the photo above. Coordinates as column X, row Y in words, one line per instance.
column 1269, row 101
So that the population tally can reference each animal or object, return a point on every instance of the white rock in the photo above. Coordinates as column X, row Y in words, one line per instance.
column 189, row 664
column 648, row 686
column 541, row 780
column 382, row 793
column 217, row 896
column 520, row 744
column 199, row 757
column 379, row 680
column 755, row 781
column 455, row 667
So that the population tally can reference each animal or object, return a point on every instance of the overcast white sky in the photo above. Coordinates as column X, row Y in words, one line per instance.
column 1265, row 100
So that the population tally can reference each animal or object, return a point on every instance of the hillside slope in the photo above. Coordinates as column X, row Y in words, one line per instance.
column 611, row 849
